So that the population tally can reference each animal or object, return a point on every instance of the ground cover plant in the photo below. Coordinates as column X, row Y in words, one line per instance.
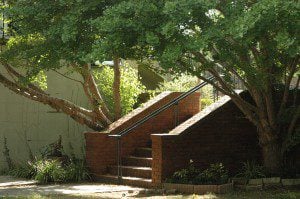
column 251, row 170
column 52, row 165
column 216, row 174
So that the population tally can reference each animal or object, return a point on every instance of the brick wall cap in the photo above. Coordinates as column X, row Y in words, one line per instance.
column 202, row 114
column 138, row 111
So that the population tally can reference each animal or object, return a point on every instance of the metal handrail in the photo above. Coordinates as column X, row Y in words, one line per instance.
column 149, row 116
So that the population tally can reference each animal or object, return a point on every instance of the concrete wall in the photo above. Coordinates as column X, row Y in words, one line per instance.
column 23, row 121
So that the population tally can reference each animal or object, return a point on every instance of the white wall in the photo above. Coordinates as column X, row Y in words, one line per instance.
column 20, row 117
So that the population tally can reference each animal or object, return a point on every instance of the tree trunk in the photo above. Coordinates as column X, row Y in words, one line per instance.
column 272, row 157
column 116, row 89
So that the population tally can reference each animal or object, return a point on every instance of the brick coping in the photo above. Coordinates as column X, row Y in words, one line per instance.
column 135, row 112
column 138, row 111
column 199, row 116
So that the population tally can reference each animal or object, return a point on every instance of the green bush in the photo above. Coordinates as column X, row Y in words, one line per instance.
column 27, row 170
column 49, row 171
column 215, row 174
column 76, row 171
column 184, row 176
column 52, row 170
column 251, row 170
column 130, row 87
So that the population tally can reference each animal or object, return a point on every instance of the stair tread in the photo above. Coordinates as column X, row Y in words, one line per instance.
column 125, row 178
column 134, row 167
column 137, row 157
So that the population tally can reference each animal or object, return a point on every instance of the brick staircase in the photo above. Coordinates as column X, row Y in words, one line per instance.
column 136, row 169
column 136, row 147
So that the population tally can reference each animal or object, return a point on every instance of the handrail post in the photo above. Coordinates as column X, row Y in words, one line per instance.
column 119, row 151
column 176, row 114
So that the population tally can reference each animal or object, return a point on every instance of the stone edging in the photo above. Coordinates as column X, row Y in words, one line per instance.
column 259, row 183
column 198, row 189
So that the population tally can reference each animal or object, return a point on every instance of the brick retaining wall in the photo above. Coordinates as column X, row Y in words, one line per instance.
column 219, row 134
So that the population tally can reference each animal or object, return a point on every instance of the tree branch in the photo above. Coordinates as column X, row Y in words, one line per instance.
column 68, row 77
column 287, row 85
column 18, row 75
column 79, row 114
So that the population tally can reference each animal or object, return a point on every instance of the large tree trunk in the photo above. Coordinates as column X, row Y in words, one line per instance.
column 116, row 89
column 271, row 154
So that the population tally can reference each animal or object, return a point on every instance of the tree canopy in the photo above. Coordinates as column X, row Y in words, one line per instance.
column 254, row 41
column 49, row 35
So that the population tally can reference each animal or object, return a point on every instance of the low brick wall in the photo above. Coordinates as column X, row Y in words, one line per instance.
column 101, row 149
column 218, row 134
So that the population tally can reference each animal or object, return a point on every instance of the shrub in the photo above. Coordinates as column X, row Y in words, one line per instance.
column 49, row 171
column 251, row 170
column 23, row 171
column 215, row 174
column 184, row 176
column 76, row 171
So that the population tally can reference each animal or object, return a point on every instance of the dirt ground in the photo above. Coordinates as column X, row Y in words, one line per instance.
column 12, row 188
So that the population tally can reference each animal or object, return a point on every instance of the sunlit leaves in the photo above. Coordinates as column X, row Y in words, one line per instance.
column 130, row 87
column 41, row 80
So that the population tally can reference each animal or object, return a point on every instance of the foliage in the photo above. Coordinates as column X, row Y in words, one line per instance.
column 184, row 176
column 49, row 171
column 47, row 37
column 76, row 171
column 215, row 174
column 206, row 102
column 52, row 166
column 130, row 88
column 180, row 83
column 251, row 170
column 27, row 170
column 184, row 82
column 52, row 170
column 256, row 42
column 54, row 149
column 41, row 80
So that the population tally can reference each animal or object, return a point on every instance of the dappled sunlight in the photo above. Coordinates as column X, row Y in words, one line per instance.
column 86, row 189
column 16, row 188
column 6, row 181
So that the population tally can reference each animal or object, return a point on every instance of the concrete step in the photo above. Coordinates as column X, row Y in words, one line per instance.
column 143, row 152
column 131, row 181
column 137, row 161
column 132, row 171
